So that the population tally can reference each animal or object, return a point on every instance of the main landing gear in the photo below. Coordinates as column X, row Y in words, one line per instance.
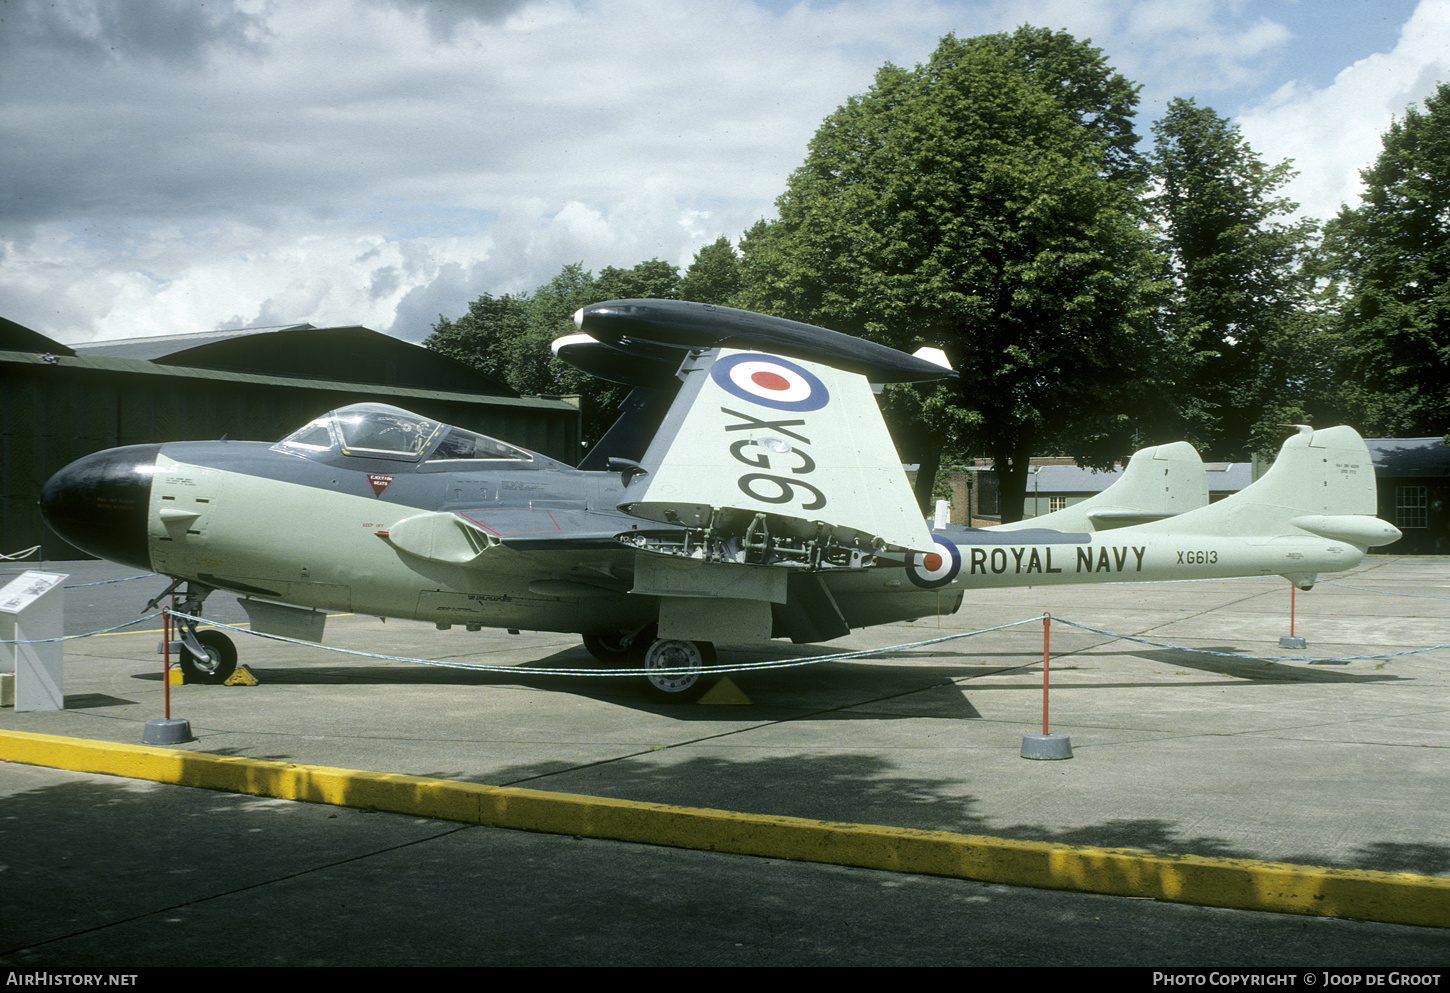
column 673, row 670
column 673, row 666
column 206, row 656
column 608, row 649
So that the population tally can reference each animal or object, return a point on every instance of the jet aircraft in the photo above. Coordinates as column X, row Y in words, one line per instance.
column 749, row 491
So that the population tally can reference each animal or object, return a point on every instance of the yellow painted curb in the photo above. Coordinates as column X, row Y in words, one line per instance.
column 1244, row 884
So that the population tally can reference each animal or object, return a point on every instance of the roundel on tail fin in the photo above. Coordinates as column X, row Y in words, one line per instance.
column 770, row 381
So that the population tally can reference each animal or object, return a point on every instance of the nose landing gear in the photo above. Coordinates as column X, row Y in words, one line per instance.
column 206, row 656
column 209, row 656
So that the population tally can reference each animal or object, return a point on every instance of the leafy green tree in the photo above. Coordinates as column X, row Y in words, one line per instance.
column 655, row 279
column 510, row 336
column 1393, row 253
column 766, row 282
column 1081, row 82
column 1249, row 350
column 487, row 336
column 533, row 368
column 986, row 202
column 714, row 275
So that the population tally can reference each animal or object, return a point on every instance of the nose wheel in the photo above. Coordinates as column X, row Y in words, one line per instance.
column 212, row 660
column 206, row 656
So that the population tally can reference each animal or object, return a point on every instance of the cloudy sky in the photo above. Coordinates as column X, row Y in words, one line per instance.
column 168, row 166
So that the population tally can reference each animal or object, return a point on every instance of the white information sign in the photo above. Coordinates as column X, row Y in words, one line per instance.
column 31, row 611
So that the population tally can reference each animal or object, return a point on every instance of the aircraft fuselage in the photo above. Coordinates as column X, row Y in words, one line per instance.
column 248, row 518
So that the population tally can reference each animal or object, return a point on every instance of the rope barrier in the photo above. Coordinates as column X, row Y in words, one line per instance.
column 789, row 663
column 751, row 666
column 612, row 672
column 738, row 667
column 73, row 637
column 103, row 582
column 1253, row 658
column 1366, row 589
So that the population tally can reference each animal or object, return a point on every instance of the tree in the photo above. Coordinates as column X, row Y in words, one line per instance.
column 654, row 278
column 714, row 275
column 1239, row 319
column 1079, row 80
column 510, row 336
column 551, row 316
column 985, row 202
column 487, row 336
column 1393, row 253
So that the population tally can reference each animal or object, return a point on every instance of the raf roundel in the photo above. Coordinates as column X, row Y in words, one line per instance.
column 935, row 568
column 770, row 381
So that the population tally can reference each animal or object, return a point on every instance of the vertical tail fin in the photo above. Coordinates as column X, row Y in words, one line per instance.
column 1159, row 482
column 1322, row 482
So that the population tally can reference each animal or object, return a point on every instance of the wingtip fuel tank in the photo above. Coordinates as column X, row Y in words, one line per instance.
column 634, row 325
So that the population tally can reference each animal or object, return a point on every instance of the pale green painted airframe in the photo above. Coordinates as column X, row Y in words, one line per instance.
column 770, row 503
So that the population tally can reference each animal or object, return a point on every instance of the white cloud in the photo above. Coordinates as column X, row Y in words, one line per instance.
column 382, row 161
column 565, row 134
column 1333, row 132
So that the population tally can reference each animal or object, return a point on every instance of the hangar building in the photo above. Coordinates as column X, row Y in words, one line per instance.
column 1414, row 492
column 58, row 402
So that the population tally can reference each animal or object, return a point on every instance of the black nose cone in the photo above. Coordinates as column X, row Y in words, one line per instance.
column 99, row 503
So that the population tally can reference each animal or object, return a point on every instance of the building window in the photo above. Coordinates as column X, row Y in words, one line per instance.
column 1056, row 503
column 987, row 494
column 1410, row 507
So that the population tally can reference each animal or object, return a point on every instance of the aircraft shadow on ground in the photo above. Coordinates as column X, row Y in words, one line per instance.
column 1229, row 664
column 824, row 690
column 1258, row 670
column 861, row 680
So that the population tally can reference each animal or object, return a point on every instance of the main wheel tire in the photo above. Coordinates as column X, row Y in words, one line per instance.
column 607, row 649
column 674, row 670
column 220, row 661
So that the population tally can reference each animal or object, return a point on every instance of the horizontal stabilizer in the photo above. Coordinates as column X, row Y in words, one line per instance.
column 653, row 367
column 933, row 355
column 1119, row 517
column 1368, row 532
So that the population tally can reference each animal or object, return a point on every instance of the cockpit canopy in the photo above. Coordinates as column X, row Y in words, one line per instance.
column 378, row 431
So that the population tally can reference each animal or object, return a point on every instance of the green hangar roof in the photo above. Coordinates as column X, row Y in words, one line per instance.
column 348, row 354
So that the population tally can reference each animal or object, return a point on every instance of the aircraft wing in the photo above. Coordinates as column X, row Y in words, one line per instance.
column 800, row 442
